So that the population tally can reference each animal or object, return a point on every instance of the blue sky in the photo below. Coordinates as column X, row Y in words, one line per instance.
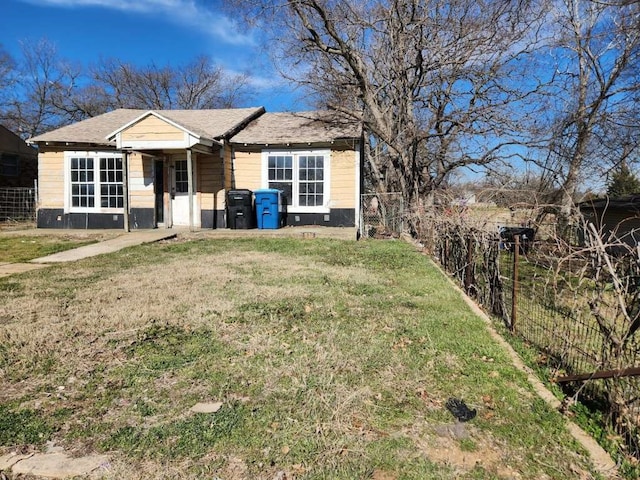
column 145, row 31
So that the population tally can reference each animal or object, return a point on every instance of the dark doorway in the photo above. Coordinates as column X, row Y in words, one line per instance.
column 159, row 190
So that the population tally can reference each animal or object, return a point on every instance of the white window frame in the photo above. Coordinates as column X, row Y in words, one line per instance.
column 96, row 156
column 326, row 183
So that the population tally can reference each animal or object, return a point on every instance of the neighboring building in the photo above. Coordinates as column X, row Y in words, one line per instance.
column 18, row 161
column 615, row 217
column 144, row 166
column 465, row 199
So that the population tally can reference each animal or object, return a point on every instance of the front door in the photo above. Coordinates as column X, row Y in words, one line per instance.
column 180, row 196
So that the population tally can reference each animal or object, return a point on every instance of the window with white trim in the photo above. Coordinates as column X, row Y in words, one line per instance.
column 95, row 181
column 301, row 175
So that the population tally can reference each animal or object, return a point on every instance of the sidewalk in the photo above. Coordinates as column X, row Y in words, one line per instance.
column 124, row 240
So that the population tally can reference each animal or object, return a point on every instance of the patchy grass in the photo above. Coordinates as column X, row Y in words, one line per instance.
column 330, row 360
column 15, row 249
column 23, row 426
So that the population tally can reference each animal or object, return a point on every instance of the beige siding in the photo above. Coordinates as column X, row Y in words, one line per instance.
column 343, row 179
column 152, row 129
column 51, row 179
column 247, row 170
column 141, row 194
column 210, row 181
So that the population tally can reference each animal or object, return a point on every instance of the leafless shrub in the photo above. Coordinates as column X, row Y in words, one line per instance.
column 576, row 299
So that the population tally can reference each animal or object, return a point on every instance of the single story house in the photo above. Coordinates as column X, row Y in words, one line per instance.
column 162, row 168
column 18, row 161
column 617, row 218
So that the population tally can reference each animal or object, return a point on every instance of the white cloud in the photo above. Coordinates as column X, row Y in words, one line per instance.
column 265, row 79
column 185, row 12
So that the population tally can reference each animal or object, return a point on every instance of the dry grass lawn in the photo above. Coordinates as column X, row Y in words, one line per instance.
column 331, row 360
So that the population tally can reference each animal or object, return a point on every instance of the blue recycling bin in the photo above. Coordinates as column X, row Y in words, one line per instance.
column 269, row 208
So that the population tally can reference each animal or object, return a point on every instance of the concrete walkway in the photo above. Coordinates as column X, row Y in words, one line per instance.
column 110, row 245
column 116, row 240
column 130, row 239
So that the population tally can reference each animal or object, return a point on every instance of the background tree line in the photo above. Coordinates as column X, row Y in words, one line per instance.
column 41, row 90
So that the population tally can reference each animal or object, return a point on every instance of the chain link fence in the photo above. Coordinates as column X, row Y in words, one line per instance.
column 18, row 204
column 381, row 215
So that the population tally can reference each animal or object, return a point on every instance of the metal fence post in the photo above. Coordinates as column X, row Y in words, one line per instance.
column 514, row 290
column 468, row 270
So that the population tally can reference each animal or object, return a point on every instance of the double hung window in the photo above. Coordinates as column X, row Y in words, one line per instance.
column 302, row 176
column 95, row 181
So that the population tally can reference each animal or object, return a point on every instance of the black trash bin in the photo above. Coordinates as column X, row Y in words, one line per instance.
column 240, row 213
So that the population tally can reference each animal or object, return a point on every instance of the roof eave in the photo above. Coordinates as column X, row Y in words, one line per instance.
column 62, row 143
column 295, row 141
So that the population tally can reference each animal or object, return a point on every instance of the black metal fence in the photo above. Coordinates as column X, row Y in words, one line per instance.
column 577, row 303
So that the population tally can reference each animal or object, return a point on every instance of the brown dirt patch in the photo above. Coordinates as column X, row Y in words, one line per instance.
column 447, row 451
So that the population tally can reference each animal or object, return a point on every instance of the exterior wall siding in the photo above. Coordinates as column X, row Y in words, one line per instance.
column 343, row 179
column 247, row 170
column 210, row 178
column 51, row 179
column 624, row 225
column 152, row 129
column 141, row 193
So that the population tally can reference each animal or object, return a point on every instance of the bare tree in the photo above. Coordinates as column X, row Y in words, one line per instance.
column 433, row 82
column 514, row 189
column 41, row 75
column 198, row 84
column 593, row 115
column 41, row 91
column 204, row 85
column 7, row 76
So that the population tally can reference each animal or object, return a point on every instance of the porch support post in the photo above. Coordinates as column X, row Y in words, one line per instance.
column 125, row 189
column 190, row 188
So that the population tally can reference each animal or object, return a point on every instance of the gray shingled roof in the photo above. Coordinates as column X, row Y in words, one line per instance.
column 211, row 124
column 301, row 127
